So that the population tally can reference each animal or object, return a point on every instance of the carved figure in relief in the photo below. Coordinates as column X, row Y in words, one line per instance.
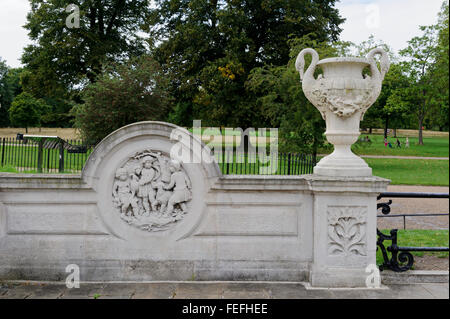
column 146, row 191
column 181, row 186
column 151, row 192
column 123, row 194
column 162, row 196
column 134, row 183
column 165, row 170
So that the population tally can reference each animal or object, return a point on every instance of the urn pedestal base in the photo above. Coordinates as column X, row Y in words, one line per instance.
column 342, row 133
column 342, row 165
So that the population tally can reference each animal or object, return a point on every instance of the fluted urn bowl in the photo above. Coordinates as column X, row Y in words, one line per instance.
column 342, row 94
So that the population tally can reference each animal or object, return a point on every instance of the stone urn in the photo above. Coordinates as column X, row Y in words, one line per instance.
column 342, row 94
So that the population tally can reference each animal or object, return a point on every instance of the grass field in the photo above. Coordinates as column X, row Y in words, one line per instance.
column 437, row 146
column 71, row 133
column 399, row 171
column 419, row 238
column 24, row 159
column 411, row 171
column 414, row 133
column 243, row 164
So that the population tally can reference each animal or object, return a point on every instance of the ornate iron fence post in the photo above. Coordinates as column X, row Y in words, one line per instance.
column 398, row 262
column 61, row 157
column 289, row 164
column 3, row 150
column 40, row 155
column 401, row 257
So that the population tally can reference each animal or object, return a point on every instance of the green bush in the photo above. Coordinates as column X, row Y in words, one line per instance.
column 123, row 94
column 26, row 111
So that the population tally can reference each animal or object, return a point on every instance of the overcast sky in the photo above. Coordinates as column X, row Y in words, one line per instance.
column 393, row 21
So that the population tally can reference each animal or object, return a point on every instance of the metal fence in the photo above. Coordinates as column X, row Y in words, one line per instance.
column 29, row 156
column 401, row 258
column 253, row 163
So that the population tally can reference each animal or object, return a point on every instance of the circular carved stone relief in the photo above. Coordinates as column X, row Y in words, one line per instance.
column 151, row 191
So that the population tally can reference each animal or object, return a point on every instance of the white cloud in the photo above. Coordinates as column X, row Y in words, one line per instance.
column 398, row 20
column 13, row 36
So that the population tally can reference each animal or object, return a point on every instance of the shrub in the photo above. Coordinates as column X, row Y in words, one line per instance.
column 26, row 111
column 123, row 94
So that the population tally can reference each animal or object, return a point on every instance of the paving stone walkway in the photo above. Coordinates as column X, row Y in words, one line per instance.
column 215, row 290
column 416, row 206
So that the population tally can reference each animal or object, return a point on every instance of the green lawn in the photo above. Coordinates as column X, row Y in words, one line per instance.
column 411, row 171
column 419, row 238
column 399, row 171
column 11, row 169
column 24, row 159
column 433, row 147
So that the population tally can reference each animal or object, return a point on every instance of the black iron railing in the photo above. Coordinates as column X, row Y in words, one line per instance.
column 55, row 155
column 401, row 257
column 39, row 155
column 254, row 163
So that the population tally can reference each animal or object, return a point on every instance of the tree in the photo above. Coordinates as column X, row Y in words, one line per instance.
column 201, row 41
column 363, row 48
column 10, row 87
column 384, row 111
column 125, row 93
column 26, row 111
column 281, row 99
column 221, row 98
column 419, row 64
column 5, row 94
column 62, row 58
column 440, row 113
column 378, row 115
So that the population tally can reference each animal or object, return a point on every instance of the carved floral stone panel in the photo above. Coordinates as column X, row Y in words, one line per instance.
column 347, row 230
column 151, row 191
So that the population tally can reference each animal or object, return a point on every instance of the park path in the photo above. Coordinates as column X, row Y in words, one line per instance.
column 416, row 206
column 406, row 157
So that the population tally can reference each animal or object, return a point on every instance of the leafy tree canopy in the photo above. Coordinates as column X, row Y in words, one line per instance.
column 26, row 111
column 280, row 98
column 212, row 46
column 419, row 63
column 10, row 86
column 5, row 94
column 62, row 58
column 124, row 94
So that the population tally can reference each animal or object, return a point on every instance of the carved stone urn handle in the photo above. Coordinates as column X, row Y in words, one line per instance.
column 384, row 63
column 300, row 64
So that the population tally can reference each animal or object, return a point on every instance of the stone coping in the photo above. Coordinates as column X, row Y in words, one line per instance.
column 17, row 180
column 277, row 182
